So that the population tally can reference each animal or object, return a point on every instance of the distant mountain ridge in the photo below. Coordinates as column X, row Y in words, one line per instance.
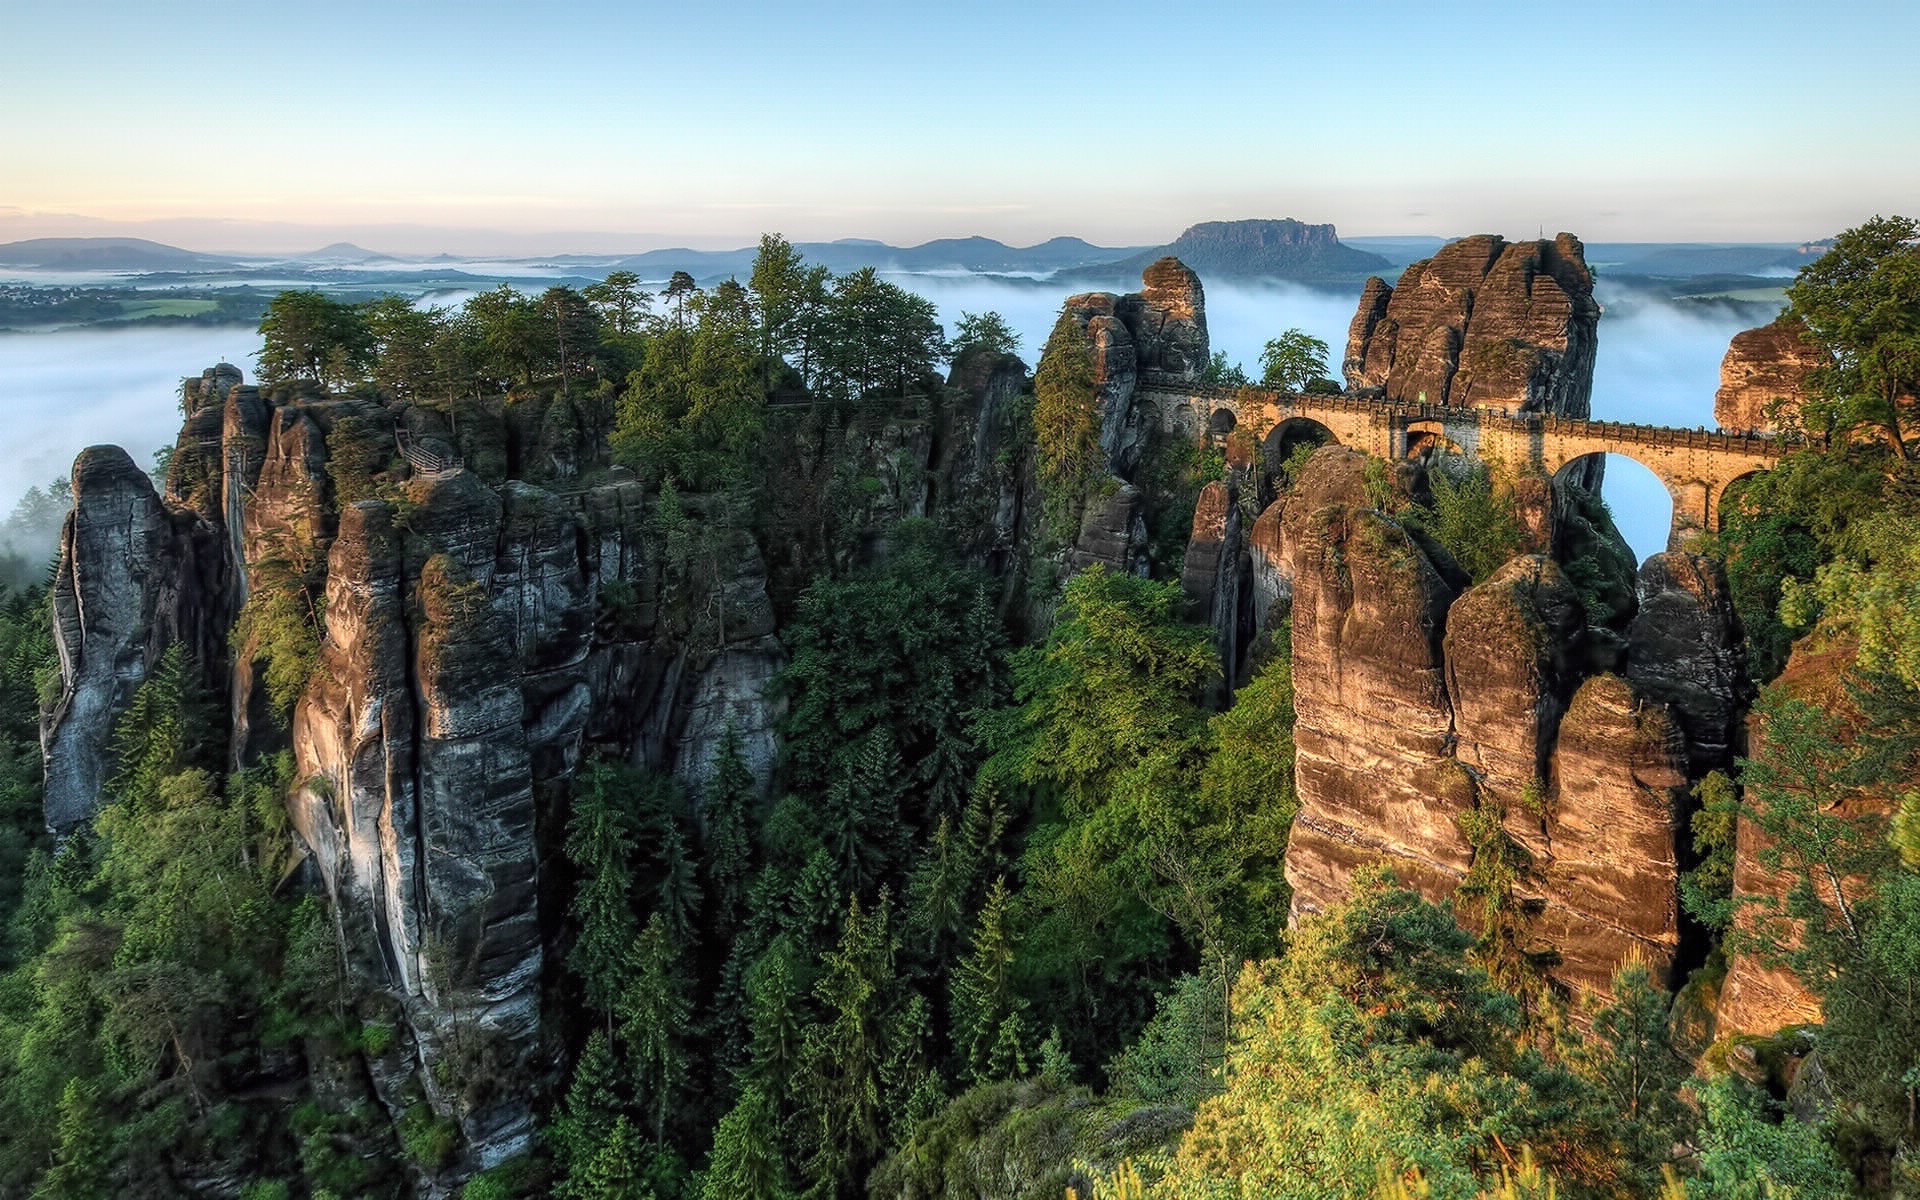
column 977, row 255
column 1255, row 249
column 104, row 254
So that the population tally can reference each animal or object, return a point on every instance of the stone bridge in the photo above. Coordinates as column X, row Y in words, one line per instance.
column 1696, row 466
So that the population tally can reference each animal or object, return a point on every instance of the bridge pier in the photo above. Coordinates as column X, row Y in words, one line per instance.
column 1693, row 512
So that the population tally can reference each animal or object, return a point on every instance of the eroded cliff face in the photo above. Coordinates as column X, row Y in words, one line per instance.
column 1762, row 994
column 1483, row 323
column 1766, row 370
column 1430, row 712
column 1376, row 781
column 1161, row 328
column 485, row 622
column 494, row 603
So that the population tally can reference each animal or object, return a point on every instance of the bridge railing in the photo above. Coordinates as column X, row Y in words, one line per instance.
column 1756, row 444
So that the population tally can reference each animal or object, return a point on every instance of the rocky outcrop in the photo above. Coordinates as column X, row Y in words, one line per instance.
column 1484, row 324
column 1213, row 576
column 1766, row 370
column 1685, row 650
column 1611, row 875
column 1513, row 659
column 134, row 578
column 479, row 637
column 1162, row 328
column 1271, row 589
column 1762, row 994
column 1113, row 534
column 1426, row 706
column 1376, row 780
column 1168, row 319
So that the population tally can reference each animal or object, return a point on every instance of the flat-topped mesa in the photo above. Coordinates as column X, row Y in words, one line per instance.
column 1767, row 372
column 1482, row 324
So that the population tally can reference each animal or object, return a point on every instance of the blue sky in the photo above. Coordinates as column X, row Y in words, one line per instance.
column 483, row 126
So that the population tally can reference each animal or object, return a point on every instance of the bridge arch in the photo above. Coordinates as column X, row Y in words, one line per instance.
column 1726, row 494
column 1286, row 438
column 1429, row 437
column 1650, row 511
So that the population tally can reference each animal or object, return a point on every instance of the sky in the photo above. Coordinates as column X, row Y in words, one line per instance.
column 603, row 126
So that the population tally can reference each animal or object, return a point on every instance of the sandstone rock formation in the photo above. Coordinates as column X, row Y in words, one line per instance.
column 1162, row 328
column 1765, row 368
column 133, row 580
column 1611, row 877
column 1212, row 576
column 1513, row 657
column 1761, row 994
column 1481, row 324
column 1685, row 650
column 1422, row 701
column 1376, row 781
column 1271, row 589
column 487, row 621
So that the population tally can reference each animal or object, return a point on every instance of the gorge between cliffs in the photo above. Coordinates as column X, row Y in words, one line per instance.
column 736, row 734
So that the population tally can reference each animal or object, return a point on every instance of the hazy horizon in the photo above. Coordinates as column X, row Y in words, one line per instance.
column 705, row 125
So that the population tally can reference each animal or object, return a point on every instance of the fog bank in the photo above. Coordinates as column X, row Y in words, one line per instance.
column 1659, row 362
column 63, row 391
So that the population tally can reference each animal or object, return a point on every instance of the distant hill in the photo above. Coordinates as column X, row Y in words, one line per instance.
column 1261, row 249
column 345, row 252
column 1401, row 251
column 102, row 254
column 1689, row 260
column 978, row 255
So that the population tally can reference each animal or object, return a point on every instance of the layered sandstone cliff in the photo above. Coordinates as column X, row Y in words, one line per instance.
column 1429, row 712
column 1161, row 328
column 490, row 602
column 1766, row 370
column 1482, row 324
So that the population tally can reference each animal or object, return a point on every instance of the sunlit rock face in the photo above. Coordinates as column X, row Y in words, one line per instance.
column 1483, row 323
column 1761, row 994
column 1767, row 372
column 1162, row 328
column 1440, row 723
column 1377, row 781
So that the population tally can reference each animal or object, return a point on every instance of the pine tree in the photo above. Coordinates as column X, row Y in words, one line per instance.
column 860, row 819
column 727, row 850
column 81, row 1171
column 600, row 844
column 1629, row 1057
column 908, row 1071
column 615, row 1169
column 677, row 895
column 986, row 1011
column 845, row 1053
column 776, row 1018
column 594, row 1102
column 654, row 1012
column 746, row 1163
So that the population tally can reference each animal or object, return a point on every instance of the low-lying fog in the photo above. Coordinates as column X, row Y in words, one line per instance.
column 62, row 391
